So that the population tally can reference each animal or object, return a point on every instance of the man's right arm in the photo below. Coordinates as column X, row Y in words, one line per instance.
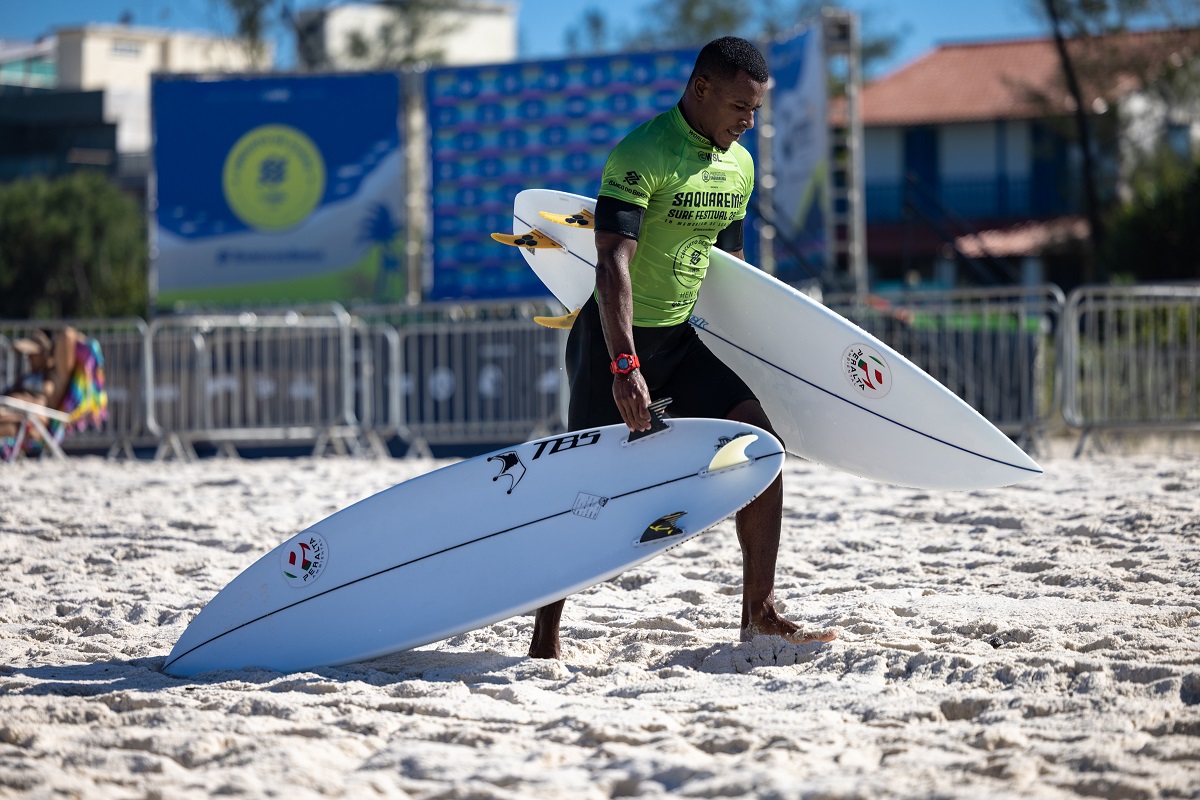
column 614, row 295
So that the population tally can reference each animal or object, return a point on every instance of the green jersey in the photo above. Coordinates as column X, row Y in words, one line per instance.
column 691, row 191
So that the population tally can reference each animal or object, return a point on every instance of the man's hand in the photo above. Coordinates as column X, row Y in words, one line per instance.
column 633, row 400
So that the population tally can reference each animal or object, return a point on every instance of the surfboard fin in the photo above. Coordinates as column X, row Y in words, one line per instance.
column 732, row 453
column 662, row 527
column 657, row 413
column 563, row 323
column 581, row 219
column 532, row 240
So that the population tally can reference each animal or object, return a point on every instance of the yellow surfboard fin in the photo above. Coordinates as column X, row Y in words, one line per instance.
column 581, row 219
column 562, row 323
column 732, row 453
column 534, row 240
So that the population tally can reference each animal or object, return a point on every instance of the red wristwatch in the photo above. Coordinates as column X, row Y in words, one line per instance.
column 624, row 364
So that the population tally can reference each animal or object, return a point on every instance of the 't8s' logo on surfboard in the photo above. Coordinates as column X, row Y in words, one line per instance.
column 303, row 559
column 513, row 468
column 866, row 370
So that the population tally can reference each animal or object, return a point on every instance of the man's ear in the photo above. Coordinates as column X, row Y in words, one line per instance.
column 701, row 86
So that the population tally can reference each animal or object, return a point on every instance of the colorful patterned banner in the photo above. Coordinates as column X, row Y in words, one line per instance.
column 496, row 130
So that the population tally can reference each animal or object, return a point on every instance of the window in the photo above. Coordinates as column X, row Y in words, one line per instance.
column 126, row 48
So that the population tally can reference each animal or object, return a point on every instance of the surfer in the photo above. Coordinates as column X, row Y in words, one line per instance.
column 673, row 189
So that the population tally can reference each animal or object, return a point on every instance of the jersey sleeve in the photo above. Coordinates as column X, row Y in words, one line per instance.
column 630, row 174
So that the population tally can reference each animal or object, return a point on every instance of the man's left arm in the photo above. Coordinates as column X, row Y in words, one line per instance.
column 731, row 239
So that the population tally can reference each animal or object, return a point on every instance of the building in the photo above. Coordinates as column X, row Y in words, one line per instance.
column 27, row 65
column 119, row 60
column 369, row 36
column 85, row 96
column 972, row 168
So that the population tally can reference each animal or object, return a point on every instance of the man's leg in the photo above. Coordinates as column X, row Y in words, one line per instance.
column 758, row 526
column 545, row 643
column 585, row 350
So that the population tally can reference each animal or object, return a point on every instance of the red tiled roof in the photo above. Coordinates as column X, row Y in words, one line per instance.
column 1016, row 79
column 1025, row 239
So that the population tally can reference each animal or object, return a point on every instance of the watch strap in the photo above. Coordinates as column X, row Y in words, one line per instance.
column 624, row 364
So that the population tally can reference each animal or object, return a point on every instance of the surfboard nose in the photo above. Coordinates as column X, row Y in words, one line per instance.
column 1022, row 460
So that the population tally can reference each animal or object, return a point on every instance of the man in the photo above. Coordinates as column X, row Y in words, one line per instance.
column 674, row 188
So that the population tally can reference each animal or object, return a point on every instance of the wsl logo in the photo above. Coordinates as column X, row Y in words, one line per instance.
column 303, row 559
column 866, row 371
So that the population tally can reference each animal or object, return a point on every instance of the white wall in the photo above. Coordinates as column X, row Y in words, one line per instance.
column 120, row 60
column 482, row 35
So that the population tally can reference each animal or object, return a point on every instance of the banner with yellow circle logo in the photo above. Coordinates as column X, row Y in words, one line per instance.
column 278, row 189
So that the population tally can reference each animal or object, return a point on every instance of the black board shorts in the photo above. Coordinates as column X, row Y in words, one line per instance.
column 675, row 364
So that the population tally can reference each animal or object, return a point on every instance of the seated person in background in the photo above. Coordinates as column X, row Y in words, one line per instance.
column 51, row 363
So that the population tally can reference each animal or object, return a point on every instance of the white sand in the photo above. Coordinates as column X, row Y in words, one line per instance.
column 1036, row 641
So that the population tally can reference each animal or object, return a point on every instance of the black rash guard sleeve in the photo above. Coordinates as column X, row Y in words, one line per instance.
column 618, row 216
column 733, row 237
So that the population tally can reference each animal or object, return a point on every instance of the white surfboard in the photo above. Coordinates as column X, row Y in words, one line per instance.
column 834, row 393
column 477, row 542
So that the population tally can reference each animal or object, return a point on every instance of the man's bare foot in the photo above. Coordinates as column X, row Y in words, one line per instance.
column 541, row 650
column 795, row 637
column 771, row 624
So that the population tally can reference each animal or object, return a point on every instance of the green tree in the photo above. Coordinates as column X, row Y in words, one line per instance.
column 72, row 247
column 591, row 35
column 1098, row 68
column 412, row 34
column 252, row 21
column 1154, row 236
column 1055, row 12
column 691, row 23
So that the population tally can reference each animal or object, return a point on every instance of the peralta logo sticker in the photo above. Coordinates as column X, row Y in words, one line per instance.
column 867, row 371
column 304, row 559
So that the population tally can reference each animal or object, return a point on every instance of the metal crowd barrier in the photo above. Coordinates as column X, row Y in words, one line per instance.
column 377, row 385
column 121, row 342
column 468, row 374
column 250, row 377
column 996, row 348
column 1132, row 356
column 1106, row 357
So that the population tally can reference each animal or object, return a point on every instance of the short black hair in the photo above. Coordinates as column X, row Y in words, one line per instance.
column 722, row 59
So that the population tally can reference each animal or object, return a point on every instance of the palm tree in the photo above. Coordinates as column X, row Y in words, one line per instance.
column 381, row 228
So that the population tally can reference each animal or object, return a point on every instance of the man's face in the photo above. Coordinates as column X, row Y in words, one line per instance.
column 727, row 107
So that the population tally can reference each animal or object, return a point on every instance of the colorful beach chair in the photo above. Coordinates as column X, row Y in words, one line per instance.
column 81, row 403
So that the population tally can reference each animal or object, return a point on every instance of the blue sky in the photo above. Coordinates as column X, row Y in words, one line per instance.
column 544, row 23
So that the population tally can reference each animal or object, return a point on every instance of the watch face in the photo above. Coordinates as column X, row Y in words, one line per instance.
column 623, row 364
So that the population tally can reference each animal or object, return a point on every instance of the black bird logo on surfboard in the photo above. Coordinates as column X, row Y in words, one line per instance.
column 510, row 467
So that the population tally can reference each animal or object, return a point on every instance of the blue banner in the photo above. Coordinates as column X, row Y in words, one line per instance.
column 273, row 189
column 799, row 156
column 496, row 130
